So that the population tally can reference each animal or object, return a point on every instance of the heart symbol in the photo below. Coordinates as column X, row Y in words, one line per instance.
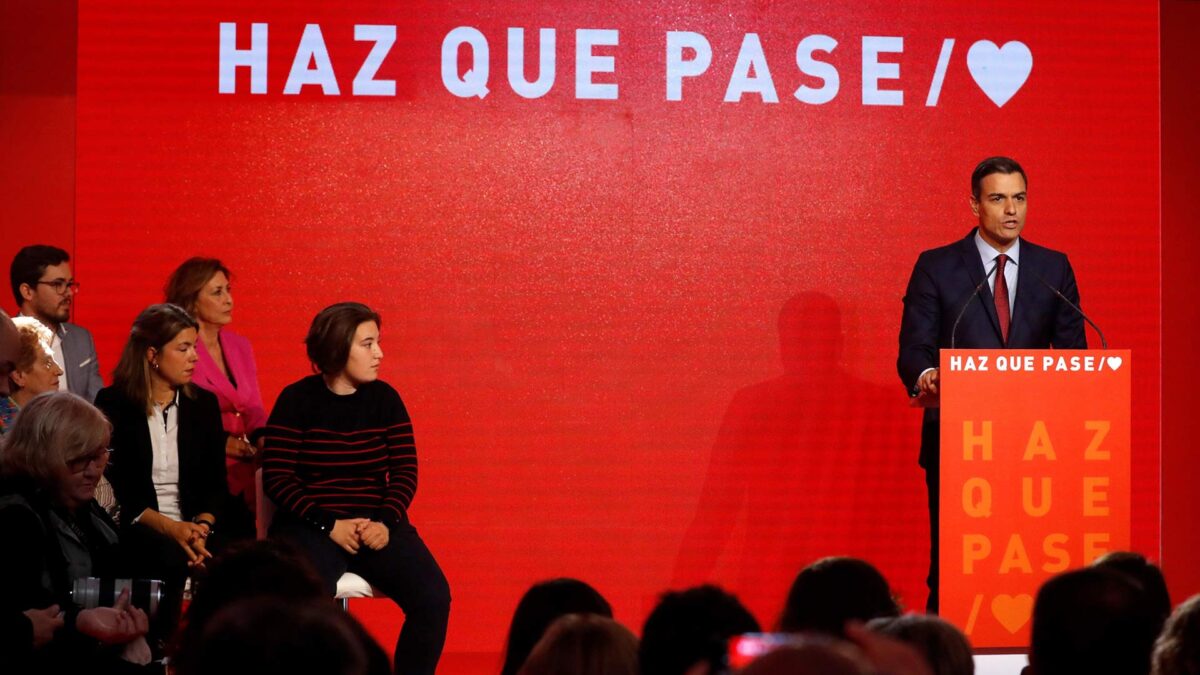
column 1012, row 611
column 999, row 71
column 1114, row 362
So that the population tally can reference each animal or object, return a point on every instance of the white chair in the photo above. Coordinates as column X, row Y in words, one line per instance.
column 349, row 585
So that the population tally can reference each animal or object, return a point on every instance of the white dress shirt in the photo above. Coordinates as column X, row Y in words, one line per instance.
column 164, row 470
column 988, row 255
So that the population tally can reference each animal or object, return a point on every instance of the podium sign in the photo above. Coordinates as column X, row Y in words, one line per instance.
column 1034, row 478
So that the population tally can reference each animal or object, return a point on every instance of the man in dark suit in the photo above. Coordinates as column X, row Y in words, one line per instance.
column 44, row 289
column 1003, row 288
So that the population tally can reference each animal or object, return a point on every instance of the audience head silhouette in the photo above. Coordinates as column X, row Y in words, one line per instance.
column 812, row 658
column 278, row 636
column 1146, row 573
column 583, row 644
column 832, row 591
column 692, row 627
column 541, row 605
column 1177, row 651
column 1096, row 621
column 943, row 646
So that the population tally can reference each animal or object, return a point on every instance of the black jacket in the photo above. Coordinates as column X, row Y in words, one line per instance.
column 202, row 484
column 940, row 287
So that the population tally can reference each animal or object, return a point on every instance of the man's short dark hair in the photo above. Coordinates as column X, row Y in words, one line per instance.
column 991, row 165
column 689, row 627
column 832, row 591
column 332, row 333
column 1094, row 620
column 30, row 264
column 1146, row 573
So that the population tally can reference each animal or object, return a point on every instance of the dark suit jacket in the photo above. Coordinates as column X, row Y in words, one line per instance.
column 941, row 283
column 202, row 486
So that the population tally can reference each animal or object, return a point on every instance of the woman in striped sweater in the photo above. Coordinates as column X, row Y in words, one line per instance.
column 340, row 463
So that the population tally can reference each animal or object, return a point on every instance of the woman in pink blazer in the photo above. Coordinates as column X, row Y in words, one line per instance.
column 226, row 366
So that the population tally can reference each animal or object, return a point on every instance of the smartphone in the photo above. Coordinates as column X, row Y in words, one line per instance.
column 749, row 646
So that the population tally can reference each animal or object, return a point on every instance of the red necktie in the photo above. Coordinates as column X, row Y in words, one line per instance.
column 1001, row 294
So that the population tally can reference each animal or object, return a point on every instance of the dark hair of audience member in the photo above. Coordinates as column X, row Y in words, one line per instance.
column 30, row 264
column 185, row 283
column 153, row 328
column 255, row 569
column 832, row 591
column 690, row 627
column 583, row 644
column 541, row 605
column 1145, row 573
column 1177, row 651
column 1094, row 620
column 943, row 646
column 814, row 658
column 332, row 332
column 267, row 635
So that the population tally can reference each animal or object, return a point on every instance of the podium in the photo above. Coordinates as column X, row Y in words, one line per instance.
column 1035, row 479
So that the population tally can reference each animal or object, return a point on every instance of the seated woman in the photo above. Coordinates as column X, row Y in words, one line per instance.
column 225, row 367
column 168, row 453
column 340, row 464
column 53, row 458
column 34, row 371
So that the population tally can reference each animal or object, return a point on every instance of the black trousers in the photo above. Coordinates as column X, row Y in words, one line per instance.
column 404, row 570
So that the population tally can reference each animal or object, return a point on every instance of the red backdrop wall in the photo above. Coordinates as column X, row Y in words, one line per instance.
column 575, row 291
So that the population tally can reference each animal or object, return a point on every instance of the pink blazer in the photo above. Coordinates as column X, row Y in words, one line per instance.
column 241, row 406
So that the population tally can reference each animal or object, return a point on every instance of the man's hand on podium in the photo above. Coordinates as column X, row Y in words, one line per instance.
column 928, row 394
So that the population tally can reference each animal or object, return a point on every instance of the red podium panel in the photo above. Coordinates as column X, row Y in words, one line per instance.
column 1034, row 478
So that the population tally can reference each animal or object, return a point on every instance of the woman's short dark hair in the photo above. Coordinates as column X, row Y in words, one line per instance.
column 184, row 286
column 1145, row 573
column 154, row 327
column 991, row 165
column 269, row 568
column 692, row 626
column 541, row 605
column 832, row 591
column 332, row 333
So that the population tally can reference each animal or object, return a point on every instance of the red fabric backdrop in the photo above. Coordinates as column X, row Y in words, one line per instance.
column 584, row 299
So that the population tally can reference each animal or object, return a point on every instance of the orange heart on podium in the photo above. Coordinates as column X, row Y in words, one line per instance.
column 1012, row 611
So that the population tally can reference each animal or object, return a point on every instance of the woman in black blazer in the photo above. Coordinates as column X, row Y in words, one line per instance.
column 167, row 466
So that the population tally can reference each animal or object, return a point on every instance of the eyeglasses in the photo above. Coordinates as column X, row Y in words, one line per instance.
column 61, row 286
column 80, row 464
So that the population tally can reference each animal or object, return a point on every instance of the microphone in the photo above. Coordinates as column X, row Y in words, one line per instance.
column 961, row 312
column 1103, row 342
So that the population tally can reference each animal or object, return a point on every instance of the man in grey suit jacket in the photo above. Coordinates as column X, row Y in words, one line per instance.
column 44, row 289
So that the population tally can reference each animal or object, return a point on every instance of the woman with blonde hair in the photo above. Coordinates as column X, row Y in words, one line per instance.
column 51, row 461
column 34, row 371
